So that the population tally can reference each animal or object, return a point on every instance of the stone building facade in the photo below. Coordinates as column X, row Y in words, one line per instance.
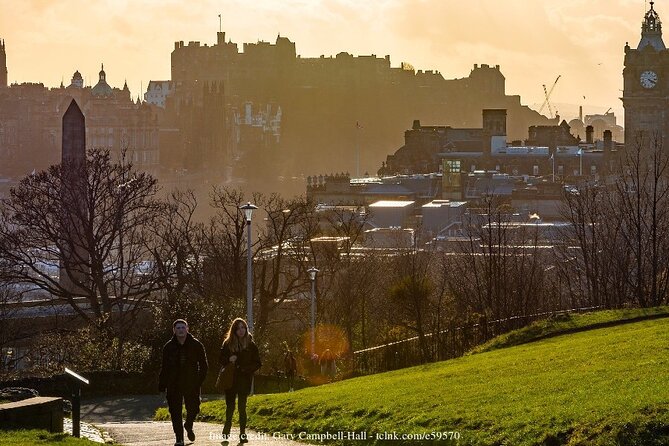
column 30, row 124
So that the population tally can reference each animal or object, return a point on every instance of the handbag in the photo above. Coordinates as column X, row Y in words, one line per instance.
column 225, row 377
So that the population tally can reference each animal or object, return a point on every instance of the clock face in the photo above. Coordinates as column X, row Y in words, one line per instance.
column 648, row 79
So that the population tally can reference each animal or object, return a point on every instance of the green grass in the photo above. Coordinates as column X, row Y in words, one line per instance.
column 599, row 387
column 570, row 323
column 38, row 437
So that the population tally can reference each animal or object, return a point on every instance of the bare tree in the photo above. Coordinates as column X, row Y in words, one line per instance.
column 177, row 247
column 282, row 258
column 643, row 192
column 499, row 272
column 95, row 231
column 615, row 252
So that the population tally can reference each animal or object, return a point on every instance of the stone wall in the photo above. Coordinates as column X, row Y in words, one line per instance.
column 33, row 413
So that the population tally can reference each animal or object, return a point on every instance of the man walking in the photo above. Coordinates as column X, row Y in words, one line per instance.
column 183, row 370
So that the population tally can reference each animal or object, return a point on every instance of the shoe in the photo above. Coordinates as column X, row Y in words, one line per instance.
column 189, row 431
column 243, row 438
column 179, row 443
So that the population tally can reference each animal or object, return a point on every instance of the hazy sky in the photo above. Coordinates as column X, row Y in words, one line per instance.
column 532, row 40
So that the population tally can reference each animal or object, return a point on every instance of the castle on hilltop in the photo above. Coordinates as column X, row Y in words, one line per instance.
column 262, row 111
column 351, row 106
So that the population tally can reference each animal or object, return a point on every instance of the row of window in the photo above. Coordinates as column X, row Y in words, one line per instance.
column 454, row 167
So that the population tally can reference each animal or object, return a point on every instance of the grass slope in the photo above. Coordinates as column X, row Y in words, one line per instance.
column 571, row 323
column 599, row 387
column 39, row 437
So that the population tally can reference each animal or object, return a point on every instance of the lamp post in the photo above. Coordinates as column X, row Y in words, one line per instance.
column 248, row 209
column 312, row 275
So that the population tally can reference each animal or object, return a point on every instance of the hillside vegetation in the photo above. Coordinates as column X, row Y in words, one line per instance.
column 598, row 387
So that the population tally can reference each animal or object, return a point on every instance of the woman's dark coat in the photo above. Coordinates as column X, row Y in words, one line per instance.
column 248, row 361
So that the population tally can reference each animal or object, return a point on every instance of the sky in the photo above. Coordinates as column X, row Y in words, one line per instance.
column 533, row 41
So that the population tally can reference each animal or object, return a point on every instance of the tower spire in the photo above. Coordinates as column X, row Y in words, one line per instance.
column 3, row 64
column 651, row 30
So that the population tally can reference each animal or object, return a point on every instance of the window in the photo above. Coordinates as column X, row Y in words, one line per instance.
column 453, row 166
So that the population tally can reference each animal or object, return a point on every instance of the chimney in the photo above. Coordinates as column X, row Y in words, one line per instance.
column 589, row 130
column 580, row 113
column 220, row 37
column 608, row 141
column 416, row 124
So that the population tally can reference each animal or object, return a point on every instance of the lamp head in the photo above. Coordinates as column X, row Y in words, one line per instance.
column 248, row 209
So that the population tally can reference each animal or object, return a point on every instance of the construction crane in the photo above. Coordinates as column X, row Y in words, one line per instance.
column 547, row 94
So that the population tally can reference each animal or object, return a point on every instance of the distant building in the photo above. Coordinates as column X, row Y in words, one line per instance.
column 442, row 216
column 255, row 135
column 391, row 213
column 549, row 151
column 157, row 92
column 30, row 129
column 603, row 122
column 544, row 199
column 389, row 238
column 424, row 145
column 341, row 189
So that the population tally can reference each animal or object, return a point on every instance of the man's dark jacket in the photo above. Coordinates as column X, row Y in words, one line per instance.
column 188, row 376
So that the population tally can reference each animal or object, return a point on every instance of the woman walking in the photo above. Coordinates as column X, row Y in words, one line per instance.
column 239, row 351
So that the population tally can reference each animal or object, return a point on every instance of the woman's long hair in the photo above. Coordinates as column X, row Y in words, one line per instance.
column 234, row 342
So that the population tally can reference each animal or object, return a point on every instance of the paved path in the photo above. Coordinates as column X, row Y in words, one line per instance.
column 128, row 420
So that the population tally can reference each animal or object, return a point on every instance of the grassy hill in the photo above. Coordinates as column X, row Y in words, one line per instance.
column 599, row 387
column 567, row 323
column 40, row 437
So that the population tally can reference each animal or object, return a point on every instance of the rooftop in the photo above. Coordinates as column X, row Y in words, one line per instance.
column 392, row 204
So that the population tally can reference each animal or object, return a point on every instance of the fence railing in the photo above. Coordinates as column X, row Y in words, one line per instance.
column 448, row 343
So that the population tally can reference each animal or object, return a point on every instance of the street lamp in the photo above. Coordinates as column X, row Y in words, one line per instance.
column 312, row 275
column 248, row 209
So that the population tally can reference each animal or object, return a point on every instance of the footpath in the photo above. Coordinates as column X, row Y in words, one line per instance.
column 128, row 420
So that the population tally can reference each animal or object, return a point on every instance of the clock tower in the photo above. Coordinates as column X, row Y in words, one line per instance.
column 646, row 83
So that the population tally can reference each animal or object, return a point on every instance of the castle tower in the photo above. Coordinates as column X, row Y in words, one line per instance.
column 3, row 65
column 646, row 83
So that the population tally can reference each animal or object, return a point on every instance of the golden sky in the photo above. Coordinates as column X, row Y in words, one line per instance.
column 533, row 41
